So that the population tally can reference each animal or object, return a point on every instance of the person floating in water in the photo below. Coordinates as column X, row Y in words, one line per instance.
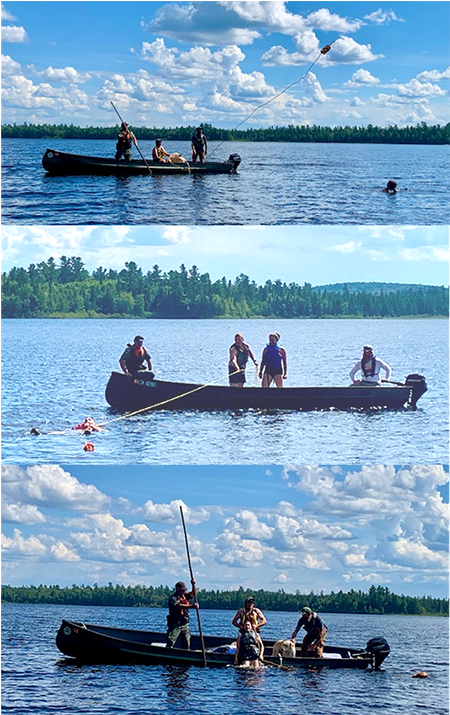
column 125, row 139
column 391, row 187
column 159, row 153
column 88, row 426
column 134, row 356
column 249, row 647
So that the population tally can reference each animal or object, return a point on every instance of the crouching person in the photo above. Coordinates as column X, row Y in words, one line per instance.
column 316, row 630
column 249, row 647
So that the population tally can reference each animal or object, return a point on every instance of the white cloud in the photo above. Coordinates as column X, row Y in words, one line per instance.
column 18, row 545
column 362, row 78
column 170, row 513
column 433, row 254
column 349, row 247
column 382, row 17
column 324, row 20
column 414, row 88
column 12, row 33
column 348, row 52
column 21, row 513
column 6, row 15
column 434, row 75
column 62, row 74
column 176, row 234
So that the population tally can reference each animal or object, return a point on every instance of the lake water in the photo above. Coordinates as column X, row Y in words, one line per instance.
column 277, row 183
column 36, row 678
column 55, row 373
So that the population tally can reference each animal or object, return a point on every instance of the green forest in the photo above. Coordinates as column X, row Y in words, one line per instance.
column 377, row 600
column 419, row 134
column 67, row 289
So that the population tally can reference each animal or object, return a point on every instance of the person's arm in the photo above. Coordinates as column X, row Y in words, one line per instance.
column 238, row 645
column 354, row 370
column 148, row 360
column 206, row 145
column 262, row 364
column 155, row 156
column 233, row 358
column 166, row 153
column 122, row 361
column 261, row 646
column 284, row 362
column 296, row 630
column 384, row 366
column 134, row 140
column 236, row 620
column 261, row 618
column 250, row 354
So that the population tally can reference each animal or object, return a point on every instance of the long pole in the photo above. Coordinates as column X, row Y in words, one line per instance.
column 193, row 587
column 137, row 145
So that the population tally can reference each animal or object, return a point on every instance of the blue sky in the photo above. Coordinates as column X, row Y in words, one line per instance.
column 291, row 527
column 167, row 64
column 316, row 254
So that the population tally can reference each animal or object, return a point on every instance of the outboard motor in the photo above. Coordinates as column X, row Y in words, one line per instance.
column 234, row 159
column 419, row 387
column 379, row 648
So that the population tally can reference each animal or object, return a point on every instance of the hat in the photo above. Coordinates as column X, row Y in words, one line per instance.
column 306, row 609
column 181, row 585
column 368, row 347
column 250, row 599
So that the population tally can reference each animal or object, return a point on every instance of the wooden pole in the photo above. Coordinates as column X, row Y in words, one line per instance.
column 137, row 146
column 193, row 587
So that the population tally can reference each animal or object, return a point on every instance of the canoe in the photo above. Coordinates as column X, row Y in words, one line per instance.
column 101, row 644
column 60, row 163
column 142, row 390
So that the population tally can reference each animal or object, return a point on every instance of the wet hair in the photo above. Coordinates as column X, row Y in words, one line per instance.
column 158, row 141
column 391, row 184
column 138, row 337
column 239, row 335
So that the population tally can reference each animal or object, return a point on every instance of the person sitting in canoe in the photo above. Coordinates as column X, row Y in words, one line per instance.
column 199, row 144
column 316, row 630
column 239, row 354
column 273, row 364
column 125, row 139
column 134, row 356
column 249, row 648
column 370, row 367
column 159, row 153
column 249, row 614
column 178, row 617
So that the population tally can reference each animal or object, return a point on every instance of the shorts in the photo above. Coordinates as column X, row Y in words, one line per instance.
column 273, row 371
column 238, row 377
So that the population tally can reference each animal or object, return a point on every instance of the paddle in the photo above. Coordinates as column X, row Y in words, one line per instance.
column 137, row 147
column 391, row 382
column 275, row 665
column 193, row 588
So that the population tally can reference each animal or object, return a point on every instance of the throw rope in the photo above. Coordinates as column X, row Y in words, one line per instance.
column 323, row 51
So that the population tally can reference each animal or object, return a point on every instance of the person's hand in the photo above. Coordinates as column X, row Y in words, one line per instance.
column 292, row 640
column 196, row 605
column 284, row 377
column 356, row 382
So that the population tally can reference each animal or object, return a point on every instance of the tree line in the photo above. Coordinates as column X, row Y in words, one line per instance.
column 377, row 600
column 67, row 289
column 421, row 133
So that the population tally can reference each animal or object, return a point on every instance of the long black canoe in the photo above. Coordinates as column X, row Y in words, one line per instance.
column 63, row 164
column 101, row 644
column 142, row 390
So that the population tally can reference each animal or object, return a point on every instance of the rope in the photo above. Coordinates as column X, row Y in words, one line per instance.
column 323, row 51
column 164, row 402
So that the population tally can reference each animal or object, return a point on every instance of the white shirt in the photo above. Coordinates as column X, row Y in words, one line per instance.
column 379, row 365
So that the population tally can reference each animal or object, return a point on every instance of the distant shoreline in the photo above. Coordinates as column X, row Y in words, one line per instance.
column 413, row 134
column 97, row 316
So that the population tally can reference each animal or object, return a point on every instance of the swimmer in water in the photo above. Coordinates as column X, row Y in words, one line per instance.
column 391, row 187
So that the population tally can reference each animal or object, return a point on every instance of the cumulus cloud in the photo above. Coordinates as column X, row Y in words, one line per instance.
column 20, row 546
column 434, row 75
column 415, row 89
column 170, row 513
column 21, row 513
column 383, row 17
column 6, row 14
column 51, row 487
column 62, row 74
column 345, row 50
column 362, row 78
column 349, row 247
column 176, row 234
column 324, row 20
column 12, row 33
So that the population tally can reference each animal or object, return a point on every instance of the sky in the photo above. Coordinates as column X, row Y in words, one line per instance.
column 290, row 527
column 177, row 63
column 313, row 254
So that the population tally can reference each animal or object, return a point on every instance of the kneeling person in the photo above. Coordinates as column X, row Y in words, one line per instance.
column 316, row 630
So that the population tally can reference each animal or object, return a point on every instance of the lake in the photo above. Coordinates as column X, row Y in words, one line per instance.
column 36, row 678
column 277, row 183
column 55, row 373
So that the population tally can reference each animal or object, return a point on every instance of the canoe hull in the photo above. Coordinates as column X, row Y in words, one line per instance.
column 134, row 393
column 100, row 644
column 59, row 163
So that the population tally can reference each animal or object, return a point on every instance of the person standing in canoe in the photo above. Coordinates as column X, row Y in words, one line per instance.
column 159, row 153
column 370, row 367
column 178, row 616
column 239, row 354
column 249, row 647
column 199, row 145
column 125, row 139
column 273, row 364
column 134, row 356
column 249, row 614
column 316, row 630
